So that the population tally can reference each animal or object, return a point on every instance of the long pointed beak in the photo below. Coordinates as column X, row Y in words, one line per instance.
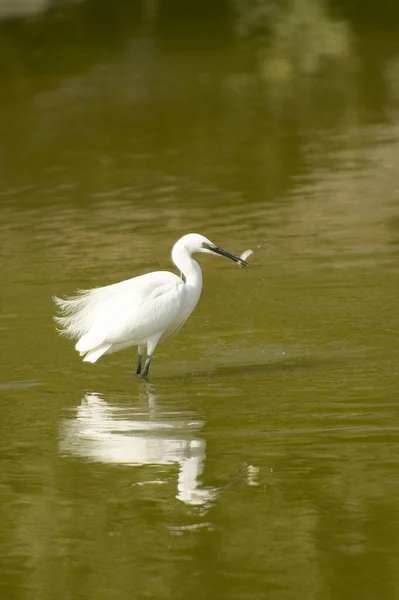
column 222, row 252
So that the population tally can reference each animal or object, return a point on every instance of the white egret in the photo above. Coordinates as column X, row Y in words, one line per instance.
column 138, row 311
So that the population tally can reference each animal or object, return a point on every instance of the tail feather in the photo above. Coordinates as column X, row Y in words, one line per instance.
column 77, row 313
column 89, row 341
column 93, row 355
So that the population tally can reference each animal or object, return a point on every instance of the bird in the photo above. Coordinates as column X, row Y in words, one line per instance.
column 137, row 311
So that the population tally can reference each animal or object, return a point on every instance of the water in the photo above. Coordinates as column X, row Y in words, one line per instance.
column 260, row 460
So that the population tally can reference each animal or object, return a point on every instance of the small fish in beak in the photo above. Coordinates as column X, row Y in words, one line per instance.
column 244, row 257
column 222, row 252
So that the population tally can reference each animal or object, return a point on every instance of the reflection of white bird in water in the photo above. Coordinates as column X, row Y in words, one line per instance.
column 138, row 311
column 114, row 433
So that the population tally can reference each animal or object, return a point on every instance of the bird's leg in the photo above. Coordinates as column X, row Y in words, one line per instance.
column 146, row 365
column 139, row 359
column 151, row 344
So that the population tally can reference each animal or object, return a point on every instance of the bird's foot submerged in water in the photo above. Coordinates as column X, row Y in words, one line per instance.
column 143, row 374
column 146, row 367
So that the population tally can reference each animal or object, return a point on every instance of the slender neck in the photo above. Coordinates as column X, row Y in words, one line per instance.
column 188, row 266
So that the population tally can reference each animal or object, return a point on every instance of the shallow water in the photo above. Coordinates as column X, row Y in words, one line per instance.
column 261, row 458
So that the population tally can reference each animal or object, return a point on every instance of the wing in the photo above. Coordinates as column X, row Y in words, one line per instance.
column 112, row 308
column 134, row 324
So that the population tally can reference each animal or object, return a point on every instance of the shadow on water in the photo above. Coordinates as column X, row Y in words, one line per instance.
column 258, row 369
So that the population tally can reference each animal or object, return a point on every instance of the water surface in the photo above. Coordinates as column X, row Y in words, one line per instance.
column 261, row 458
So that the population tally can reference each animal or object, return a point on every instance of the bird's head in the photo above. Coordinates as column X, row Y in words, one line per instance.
column 194, row 242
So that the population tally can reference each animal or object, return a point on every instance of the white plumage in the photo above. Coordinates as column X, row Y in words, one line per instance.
column 138, row 311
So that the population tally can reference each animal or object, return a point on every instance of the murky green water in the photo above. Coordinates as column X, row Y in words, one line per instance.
column 261, row 459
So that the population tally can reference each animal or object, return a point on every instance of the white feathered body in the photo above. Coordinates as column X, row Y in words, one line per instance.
column 129, row 313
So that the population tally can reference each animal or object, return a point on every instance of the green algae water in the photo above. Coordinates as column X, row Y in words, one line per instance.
column 261, row 459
